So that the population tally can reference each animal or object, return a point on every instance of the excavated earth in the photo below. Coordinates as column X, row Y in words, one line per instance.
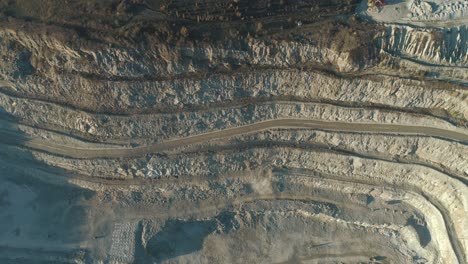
column 233, row 131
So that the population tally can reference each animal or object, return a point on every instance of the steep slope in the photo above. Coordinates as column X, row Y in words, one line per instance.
column 231, row 132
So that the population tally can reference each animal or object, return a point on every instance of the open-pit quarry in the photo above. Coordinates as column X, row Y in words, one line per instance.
column 233, row 131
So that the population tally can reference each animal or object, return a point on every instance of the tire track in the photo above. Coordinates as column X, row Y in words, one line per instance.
column 92, row 152
column 322, row 147
column 219, row 206
column 236, row 103
column 455, row 241
column 99, row 183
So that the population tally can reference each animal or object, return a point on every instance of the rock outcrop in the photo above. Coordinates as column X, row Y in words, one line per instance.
column 230, row 132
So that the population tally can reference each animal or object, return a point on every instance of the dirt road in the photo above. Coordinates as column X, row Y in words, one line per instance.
column 125, row 152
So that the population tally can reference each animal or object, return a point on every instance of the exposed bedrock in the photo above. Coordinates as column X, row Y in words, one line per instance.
column 154, row 131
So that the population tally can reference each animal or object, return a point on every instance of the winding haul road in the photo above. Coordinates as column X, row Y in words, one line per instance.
column 9, row 137
column 92, row 150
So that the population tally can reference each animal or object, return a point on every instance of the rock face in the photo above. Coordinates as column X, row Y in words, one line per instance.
column 230, row 132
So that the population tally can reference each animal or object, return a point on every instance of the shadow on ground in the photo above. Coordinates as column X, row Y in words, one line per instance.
column 43, row 218
column 179, row 238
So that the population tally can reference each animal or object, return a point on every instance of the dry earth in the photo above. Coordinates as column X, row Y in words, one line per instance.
column 233, row 131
